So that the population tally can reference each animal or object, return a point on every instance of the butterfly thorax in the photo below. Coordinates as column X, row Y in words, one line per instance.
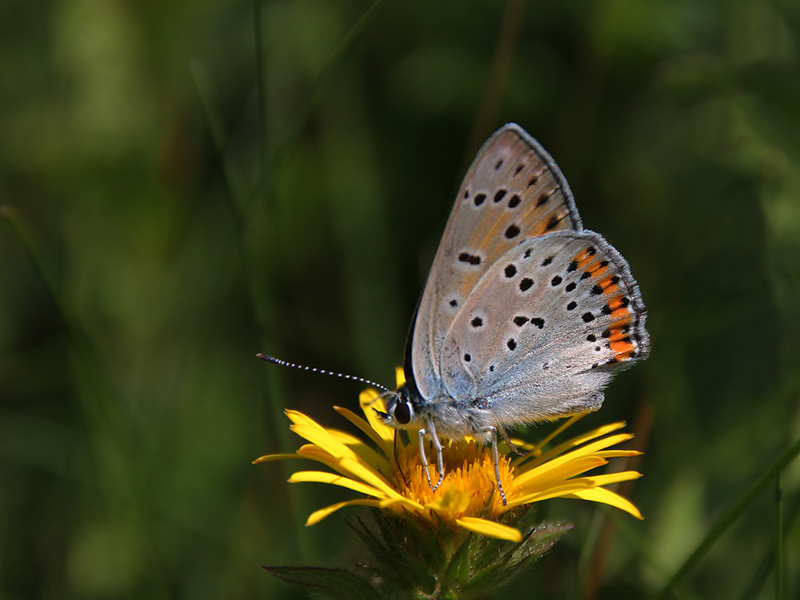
column 451, row 418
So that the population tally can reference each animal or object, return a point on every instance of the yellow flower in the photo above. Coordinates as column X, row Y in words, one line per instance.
column 466, row 497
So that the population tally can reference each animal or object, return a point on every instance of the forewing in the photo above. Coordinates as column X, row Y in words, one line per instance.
column 544, row 330
column 513, row 192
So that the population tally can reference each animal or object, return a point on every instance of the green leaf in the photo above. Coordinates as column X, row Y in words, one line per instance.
column 332, row 583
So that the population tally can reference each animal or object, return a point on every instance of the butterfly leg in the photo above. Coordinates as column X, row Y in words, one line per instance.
column 496, row 460
column 396, row 457
column 439, row 456
column 511, row 445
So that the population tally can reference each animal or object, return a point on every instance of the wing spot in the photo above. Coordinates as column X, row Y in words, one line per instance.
column 572, row 305
column 519, row 321
column 606, row 333
column 476, row 322
column 472, row 259
column 512, row 231
column 467, row 358
column 510, row 271
column 533, row 180
column 539, row 322
column 525, row 284
column 511, row 343
column 573, row 266
column 527, row 253
column 499, row 164
column 479, row 199
column 514, row 201
column 571, row 286
column 518, row 169
column 597, row 289
column 587, row 317
column 491, row 368
column 556, row 281
column 547, row 261
column 453, row 302
column 499, row 196
column 591, row 338
column 543, row 199
column 552, row 223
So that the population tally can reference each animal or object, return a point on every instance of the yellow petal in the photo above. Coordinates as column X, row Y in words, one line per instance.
column 366, row 474
column 569, row 423
column 271, row 457
column 320, row 514
column 316, row 434
column 415, row 506
column 452, row 501
column 490, row 529
column 365, row 452
column 582, row 452
column 607, row 497
column 558, row 469
column 577, row 441
column 400, row 376
column 601, row 480
column 617, row 453
column 333, row 479
column 348, row 414
column 369, row 403
column 313, row 452
column 565, row 489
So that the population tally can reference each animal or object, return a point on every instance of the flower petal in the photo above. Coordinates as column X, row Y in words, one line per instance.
column 452, row 501
column 601, row 480
column 320, row 514
column 416, row 506
column 334, row 479
column 490, row 529
column 365, row 452
column 400, row 377
column 383, row 444
column 606, row 497
column 577, row 441
column 366, row 474
column 369, row 403
column 566, row 489
column 558, row 469
column 271, row 457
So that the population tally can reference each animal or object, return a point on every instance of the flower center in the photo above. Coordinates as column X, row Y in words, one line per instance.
column 468, row 472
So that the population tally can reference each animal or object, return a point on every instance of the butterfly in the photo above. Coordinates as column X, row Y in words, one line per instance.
column 525, row 315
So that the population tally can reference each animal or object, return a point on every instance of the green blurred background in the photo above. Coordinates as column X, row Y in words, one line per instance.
column 189, row 183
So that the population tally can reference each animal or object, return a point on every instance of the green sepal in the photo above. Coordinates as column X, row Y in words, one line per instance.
column 341, row 584
column 501, row 560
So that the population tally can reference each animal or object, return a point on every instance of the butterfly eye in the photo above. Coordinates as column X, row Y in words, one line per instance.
column 402, row 413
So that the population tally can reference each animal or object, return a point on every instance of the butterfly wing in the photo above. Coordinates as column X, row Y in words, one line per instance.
column 512, row 192
column 543, row 332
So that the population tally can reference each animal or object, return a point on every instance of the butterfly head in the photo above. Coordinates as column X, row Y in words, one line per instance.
column 400, row 410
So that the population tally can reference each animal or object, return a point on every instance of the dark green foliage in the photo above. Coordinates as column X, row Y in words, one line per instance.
column 191, row 183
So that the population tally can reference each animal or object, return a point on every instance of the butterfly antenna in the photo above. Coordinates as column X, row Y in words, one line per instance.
column 284, row 363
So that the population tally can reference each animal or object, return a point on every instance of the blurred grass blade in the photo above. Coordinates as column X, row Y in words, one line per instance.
column 13, row 216
column 760, row 577
column 780, row 593
column 341, row 51
column 233, row 186
column 731, row 515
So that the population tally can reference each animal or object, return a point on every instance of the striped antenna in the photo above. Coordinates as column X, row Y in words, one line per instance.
column 283, row 363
